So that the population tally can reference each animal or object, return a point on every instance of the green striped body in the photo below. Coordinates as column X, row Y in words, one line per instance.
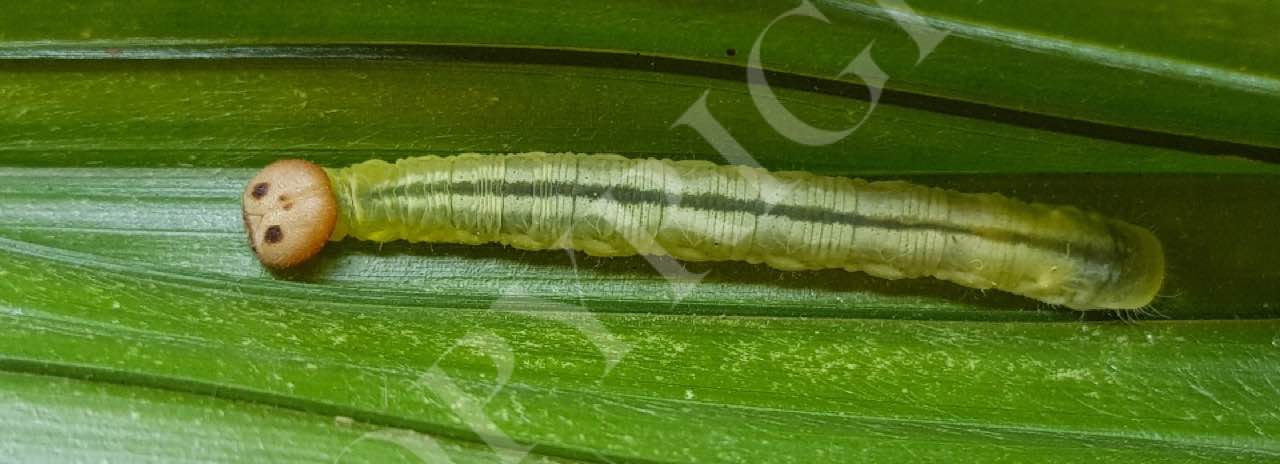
column 608, row 205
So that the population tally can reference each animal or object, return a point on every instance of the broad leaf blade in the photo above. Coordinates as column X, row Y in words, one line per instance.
column 1208, row 70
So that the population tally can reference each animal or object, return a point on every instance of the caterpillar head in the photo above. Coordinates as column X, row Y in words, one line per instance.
column 289, row 212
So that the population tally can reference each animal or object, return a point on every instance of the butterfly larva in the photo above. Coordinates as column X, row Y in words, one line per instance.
column 608, row 205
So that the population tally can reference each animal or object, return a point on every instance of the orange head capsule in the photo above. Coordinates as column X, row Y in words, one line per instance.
column 289, row 212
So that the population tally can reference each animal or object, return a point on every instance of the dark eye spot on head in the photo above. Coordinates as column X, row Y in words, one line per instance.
column 260, row 190
column 731, row 52
column 288, row 206
column 273, row 235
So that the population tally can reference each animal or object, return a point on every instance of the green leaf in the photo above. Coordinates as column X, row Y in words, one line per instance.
column 135, row 323
column 1166, row 68
column 75, row 420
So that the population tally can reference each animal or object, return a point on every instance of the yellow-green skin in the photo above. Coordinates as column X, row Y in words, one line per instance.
column 608, row 205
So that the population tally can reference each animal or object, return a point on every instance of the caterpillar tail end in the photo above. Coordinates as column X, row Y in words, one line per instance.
column 289, row 212
column 1141, row 272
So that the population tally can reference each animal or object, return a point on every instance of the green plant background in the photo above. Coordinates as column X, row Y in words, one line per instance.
column 134, row 322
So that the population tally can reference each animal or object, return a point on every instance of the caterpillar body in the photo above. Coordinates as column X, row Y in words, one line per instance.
column 609, row 205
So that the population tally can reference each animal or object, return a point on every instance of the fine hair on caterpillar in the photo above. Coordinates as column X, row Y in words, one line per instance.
column 609, row 205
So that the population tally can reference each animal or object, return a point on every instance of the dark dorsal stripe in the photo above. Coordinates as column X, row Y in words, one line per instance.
column 719, row 203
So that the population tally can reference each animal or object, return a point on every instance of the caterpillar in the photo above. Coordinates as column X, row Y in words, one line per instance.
column 609, row 205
